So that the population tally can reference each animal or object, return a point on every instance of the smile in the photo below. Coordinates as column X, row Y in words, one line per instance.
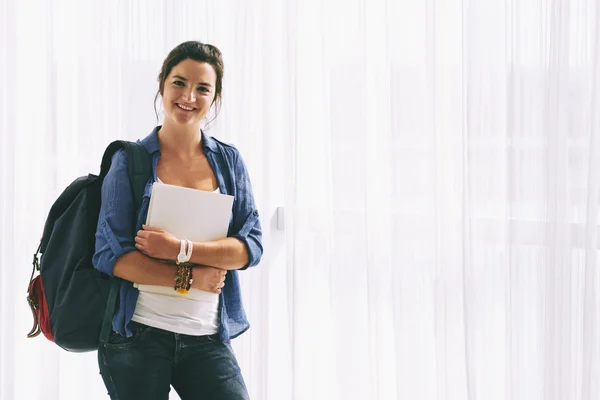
column 184, row 107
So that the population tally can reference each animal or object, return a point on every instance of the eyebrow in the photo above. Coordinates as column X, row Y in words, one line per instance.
column 185, row 79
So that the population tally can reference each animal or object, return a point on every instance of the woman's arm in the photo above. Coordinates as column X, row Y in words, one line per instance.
column 136, row 267
column 229, row 253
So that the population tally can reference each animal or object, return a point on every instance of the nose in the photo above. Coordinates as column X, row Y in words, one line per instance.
column 190, row 96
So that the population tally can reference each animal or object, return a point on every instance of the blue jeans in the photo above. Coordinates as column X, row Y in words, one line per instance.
column 145, row 366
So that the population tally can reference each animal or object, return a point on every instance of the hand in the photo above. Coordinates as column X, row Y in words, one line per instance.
column 209, row 279
column 157, row 243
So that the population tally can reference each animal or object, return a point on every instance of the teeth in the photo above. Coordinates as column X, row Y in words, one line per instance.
column 185, row 108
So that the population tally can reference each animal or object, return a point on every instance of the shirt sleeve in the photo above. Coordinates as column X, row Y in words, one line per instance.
column 116, row 222
column 246, row 222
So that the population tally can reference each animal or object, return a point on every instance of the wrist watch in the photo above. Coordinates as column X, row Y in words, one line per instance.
column 181, row 257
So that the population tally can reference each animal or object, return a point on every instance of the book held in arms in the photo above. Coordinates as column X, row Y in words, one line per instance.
column 187, row 213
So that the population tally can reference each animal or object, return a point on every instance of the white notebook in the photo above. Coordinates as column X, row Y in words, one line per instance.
column 187, row 213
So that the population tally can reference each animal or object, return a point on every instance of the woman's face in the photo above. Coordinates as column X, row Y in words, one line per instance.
column 189, row 91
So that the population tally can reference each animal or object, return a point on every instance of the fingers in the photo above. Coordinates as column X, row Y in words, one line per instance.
column 213, row 278
column 219, row 273
column 220, row 279
column 142, row 234
column 216, row 289
column 219, row 285
column 150, row 228
column 219, row 288
column 140, row 248
column 140, row 244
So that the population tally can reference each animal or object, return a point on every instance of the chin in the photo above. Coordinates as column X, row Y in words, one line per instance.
column 182, row 120
column 190, row 121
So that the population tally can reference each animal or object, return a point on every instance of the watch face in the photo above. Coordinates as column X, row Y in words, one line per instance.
column 181, row 258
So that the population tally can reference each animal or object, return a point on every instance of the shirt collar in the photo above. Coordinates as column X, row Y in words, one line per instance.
column 151, row 141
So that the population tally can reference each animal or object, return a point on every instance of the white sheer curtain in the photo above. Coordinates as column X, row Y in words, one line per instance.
column 446, row 200
column 437, row 161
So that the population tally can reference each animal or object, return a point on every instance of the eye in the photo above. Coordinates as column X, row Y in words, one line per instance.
column 203, row 89
column 179, row 83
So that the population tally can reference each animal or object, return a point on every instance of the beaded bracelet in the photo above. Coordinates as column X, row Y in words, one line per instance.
column 183, row 279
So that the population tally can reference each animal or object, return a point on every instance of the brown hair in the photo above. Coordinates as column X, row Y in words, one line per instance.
column 196, row 51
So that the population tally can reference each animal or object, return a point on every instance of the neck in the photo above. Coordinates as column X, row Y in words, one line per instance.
column 183, row 140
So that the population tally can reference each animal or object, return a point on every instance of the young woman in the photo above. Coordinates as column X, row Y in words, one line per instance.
column 183, row 340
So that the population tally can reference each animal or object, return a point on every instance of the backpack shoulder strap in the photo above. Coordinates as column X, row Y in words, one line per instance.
column 138, row 165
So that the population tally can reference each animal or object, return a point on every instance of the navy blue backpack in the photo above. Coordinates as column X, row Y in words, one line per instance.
column 72, row 302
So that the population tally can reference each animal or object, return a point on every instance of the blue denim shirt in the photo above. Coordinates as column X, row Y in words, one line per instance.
column 118, row 224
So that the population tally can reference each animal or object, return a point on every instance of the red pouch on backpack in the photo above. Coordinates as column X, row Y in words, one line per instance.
column 39, row 307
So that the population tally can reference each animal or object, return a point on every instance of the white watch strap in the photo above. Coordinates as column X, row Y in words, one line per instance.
column 181, row 257
column 190, row 248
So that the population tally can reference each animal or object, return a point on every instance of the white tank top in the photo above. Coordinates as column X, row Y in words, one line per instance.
column 196, row 313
